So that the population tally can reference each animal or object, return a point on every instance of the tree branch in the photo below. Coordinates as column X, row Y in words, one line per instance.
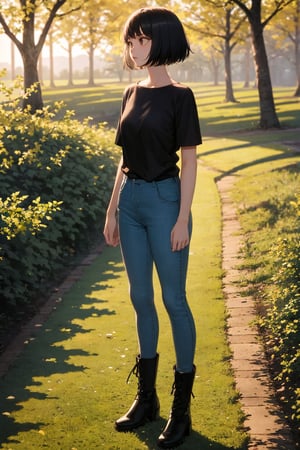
column 52, row 15
column 9, row 33
column 243, row 7
column 279, row 6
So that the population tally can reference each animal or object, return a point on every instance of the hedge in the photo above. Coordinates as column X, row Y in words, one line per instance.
column 282, row 322
column 270, row 218
column 55, row 181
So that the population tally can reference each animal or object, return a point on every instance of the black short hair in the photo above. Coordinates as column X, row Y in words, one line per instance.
column 162, row 26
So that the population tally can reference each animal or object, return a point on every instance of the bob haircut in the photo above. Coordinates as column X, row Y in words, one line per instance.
column 169, row 42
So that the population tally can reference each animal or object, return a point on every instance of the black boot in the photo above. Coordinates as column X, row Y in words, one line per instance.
column 146, row 404
column 179, row 424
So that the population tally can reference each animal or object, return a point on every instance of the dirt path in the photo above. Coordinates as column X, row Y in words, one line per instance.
column 264, row 420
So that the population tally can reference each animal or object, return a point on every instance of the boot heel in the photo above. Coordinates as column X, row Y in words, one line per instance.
column 188, row 430
column 154, row 411
column 154, row 414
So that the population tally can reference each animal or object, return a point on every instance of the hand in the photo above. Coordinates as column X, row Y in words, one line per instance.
column 179, row 236
column 111, row 231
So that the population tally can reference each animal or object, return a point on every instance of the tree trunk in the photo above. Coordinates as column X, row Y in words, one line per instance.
column 229, row 96
column 91, row 81
column 297, row 48
column 215, row 69
column 34, row 99
column 70, row 54
column 30, row 56
column 247, row 64
column 268, row 116
column 51, row 60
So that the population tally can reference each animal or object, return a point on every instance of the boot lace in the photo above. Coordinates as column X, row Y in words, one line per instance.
column 134, row 371
column 141, row 393
column 180, row 402
column 174, row 390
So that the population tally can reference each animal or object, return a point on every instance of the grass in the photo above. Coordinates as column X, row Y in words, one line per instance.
column 265, row 216
column 220, row 118
column 102, row 102
column 72, row 373
column 68, row 386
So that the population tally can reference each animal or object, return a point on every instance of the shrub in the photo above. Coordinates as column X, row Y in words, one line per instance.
column 282, row 322
column 55, row 181
column 270, row 220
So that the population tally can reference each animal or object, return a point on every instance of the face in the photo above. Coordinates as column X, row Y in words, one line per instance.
column 139, row 49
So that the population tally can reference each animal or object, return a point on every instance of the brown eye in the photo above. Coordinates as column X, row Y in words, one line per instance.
column 143, row 40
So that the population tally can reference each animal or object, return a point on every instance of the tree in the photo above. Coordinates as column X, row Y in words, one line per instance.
column 247, row 53
column 92, row 29
column 288, row 27
column 67, row 31
column 268, row 116
column 115, row 20
column 51, row 59
column 214, row 61
column 20, row 17
column 297, row 46
column 220, row 23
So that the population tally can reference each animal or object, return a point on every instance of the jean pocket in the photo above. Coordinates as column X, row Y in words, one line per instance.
column 168, row 190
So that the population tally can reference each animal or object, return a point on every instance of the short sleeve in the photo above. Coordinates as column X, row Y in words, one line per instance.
column 188, row 132
column 118, row 138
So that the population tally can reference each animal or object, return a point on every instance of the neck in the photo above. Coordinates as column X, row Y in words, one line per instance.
column 158, row 76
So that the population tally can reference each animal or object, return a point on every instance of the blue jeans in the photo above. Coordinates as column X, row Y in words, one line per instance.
column 147, row 213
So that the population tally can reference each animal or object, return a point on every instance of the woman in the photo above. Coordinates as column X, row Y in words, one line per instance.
column 158, row 118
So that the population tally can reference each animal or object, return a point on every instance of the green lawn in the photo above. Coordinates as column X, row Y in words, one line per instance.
column 68, row 386
column 102, row 102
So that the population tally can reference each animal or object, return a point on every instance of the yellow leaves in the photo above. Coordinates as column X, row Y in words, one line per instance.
column 18, row 219
column 60, row 155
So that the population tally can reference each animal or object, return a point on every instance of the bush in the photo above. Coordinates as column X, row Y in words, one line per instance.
column 55, row 182
column 282, row 322
column 271, row 256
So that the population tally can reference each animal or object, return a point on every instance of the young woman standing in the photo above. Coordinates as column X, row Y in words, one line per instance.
column 153, row 204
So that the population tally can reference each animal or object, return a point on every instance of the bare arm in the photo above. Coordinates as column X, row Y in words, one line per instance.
column 111, row 232
column 180, row 234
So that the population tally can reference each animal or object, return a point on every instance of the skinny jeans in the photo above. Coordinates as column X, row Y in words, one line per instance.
column 147, row 214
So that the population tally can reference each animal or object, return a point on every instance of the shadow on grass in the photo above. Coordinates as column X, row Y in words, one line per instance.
column 281, row 155
column 44, row 356
column 257, row 162
column 195, row 441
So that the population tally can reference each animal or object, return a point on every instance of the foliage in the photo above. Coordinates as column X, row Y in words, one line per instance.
column 15, row 219
column 274, row 264
column 55, row 178
column 282, row 322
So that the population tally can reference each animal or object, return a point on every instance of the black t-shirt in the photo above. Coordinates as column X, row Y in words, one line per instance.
column 154, row 124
